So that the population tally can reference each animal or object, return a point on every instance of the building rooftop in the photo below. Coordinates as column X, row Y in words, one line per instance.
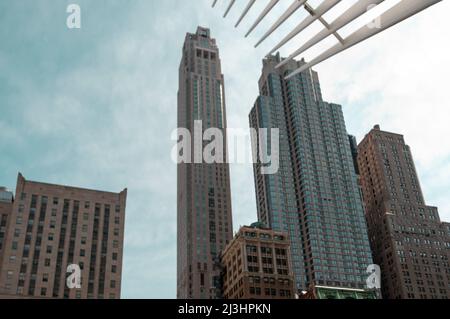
column 70, row 187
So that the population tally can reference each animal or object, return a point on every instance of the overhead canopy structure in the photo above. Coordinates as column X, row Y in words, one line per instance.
column 396, row 14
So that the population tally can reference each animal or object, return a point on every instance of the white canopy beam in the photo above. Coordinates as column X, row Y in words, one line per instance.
column 244, row 13
column 229, row 8
column 355, row 11
column 263, row 14
column 323, row 8
column 289, row 12
column 398, row 13
column 322, row 20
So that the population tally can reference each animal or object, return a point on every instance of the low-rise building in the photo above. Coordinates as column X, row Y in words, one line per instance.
column 257, row 265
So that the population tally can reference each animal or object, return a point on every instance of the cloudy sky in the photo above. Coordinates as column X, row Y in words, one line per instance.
column 95, row 107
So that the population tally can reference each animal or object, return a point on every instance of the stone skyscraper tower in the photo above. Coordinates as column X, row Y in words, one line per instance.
column 314, row 197
column 204, row 200
column 408, row 240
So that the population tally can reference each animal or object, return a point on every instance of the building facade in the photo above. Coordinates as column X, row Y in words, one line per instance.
column 54, row 226
column 323, row 292
column 257, row 265
column 408, row 240
column 6, row 203
column 354, row 150
column 204, row 200
column 314, row 197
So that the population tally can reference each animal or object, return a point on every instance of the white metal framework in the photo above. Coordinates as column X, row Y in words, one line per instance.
column 401, row 11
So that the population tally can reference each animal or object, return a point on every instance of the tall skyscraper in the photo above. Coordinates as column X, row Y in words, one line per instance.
column 52, row 227
column 257, row 265
column 314, row 197
column 6, row 203
column 204, row 200
column 408, row 240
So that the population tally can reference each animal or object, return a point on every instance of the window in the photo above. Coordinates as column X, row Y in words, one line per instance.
column 82, row 252
column 49, row 249
column 83, row 240
column 113, row 284
column 86, row 216
column 113, row 269
column 45, row 278
column 55, row 200
column 47, row 262
column 114, row 256
column 43, row 291
column 252, row 259
column 51, row 236
column 253, row 269
column 9, row 274
column 251, row 249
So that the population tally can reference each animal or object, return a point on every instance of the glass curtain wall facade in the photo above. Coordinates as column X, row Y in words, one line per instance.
column 315, row 196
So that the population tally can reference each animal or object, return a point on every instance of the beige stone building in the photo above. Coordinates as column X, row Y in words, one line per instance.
column 54, row 226
column 257, row 265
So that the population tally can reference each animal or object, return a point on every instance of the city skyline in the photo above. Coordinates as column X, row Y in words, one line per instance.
column 101, row 102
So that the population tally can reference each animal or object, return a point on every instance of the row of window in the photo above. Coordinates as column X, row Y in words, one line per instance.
column 56, row 201
column 256, row 291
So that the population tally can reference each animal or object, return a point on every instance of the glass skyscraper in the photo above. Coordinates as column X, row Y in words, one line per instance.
column 314, row 196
